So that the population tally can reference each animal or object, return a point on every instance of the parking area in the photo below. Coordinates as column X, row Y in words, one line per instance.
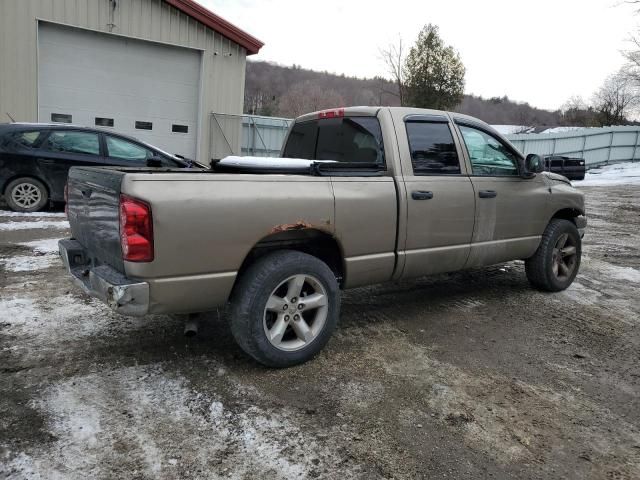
column 466, row 375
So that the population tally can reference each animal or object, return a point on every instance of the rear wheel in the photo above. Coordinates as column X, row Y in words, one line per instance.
column 26, row 194
column 285, row 308
column 555, row 264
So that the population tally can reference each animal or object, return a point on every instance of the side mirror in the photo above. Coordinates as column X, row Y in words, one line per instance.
column 534, row 163
column 154, row 162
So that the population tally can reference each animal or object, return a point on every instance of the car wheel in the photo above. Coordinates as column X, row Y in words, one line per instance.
column 284, row 308
column 555, row 264
column 26, row 194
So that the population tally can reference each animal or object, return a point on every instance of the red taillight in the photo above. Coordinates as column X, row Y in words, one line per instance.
column 333, row 113
column 136, row 230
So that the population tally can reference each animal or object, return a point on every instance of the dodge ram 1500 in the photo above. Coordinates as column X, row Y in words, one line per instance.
column 376, row 194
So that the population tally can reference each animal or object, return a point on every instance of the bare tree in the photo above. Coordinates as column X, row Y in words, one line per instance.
column 393, row 58
column 308, row 97
column 616, row 98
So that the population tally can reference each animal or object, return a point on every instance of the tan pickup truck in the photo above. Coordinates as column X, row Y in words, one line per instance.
column 370, row 195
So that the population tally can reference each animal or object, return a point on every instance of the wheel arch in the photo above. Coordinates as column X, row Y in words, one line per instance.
column 311, row 241
column 567, row 214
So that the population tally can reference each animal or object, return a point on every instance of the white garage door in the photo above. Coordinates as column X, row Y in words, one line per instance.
column 143, row 89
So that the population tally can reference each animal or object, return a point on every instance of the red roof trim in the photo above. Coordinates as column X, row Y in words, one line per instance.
column 219, row 24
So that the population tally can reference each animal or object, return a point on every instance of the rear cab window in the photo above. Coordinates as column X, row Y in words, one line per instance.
column 344, row 139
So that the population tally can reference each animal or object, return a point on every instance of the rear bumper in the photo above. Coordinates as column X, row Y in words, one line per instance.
column 123, row 295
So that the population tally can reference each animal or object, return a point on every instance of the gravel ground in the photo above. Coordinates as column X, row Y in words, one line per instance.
column 466, row 375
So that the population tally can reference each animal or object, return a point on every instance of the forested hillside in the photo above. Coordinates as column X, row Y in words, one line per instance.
column 276, row 90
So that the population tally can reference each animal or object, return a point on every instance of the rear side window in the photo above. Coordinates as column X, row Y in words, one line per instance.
column 348, row 139
column 432, row 149
column 72, row 142
column 18, row 140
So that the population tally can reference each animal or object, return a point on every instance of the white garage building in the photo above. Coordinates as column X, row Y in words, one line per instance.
column 153, row 69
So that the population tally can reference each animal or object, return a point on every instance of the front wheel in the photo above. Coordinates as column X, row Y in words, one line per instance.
column 285, row 308
column 555, row 264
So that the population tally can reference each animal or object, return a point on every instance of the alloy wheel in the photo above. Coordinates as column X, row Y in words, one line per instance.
column 296, row 312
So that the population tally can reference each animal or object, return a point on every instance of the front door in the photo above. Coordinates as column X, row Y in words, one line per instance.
column 440, row 201
column 509, row 208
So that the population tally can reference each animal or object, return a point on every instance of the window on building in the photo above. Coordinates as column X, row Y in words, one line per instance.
column 433, row 151
column 61, row 118
column 104, row 122
column 144, row 125
column 72, row 142
column 179, row 128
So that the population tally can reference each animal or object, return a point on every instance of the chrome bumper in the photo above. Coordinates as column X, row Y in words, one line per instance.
column 123, row 295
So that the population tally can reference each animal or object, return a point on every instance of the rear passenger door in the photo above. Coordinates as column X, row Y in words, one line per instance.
column 440, row 201
column 63, row 149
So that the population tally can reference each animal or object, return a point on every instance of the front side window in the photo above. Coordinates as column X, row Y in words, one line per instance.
column 432, row 149
column 125, row 150
column 348, row 139
column 489, row 157
column 72, row 142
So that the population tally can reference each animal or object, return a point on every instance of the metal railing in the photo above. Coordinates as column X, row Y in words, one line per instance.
column 247, row 135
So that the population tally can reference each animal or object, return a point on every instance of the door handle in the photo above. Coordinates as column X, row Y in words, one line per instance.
column 421, row 195
column 488, row 194
column 44, row 161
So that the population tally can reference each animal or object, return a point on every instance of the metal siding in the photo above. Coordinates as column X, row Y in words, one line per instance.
column 153, row 20
column 596, row 145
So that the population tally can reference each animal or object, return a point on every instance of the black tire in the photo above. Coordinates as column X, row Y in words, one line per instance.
column 248, row 307
column 19, row 201
column 542, row 268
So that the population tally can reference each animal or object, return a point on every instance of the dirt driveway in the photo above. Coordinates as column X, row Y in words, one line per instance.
column 469, row 375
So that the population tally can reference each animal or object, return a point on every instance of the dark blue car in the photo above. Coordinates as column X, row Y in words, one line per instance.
column 35, row 159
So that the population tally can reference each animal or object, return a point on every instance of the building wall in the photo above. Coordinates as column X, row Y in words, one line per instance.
column 223, row 60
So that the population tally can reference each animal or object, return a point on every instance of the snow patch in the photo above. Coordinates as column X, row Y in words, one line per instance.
column 24, row 263
column 9, row 213
column 142, row 419
column 8, row 226
column 46, row 246
column 616, row 174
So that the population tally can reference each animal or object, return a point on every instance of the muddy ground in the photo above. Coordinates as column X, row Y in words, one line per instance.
column 468, row 375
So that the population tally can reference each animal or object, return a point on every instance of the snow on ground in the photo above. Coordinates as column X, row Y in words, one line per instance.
column 43, row 247
column 9, row 213
column 38, row 224
column 26, row 263
column 166, row 428
column 616, row 174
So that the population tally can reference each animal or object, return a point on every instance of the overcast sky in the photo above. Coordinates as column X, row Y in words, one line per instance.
column 540, row 51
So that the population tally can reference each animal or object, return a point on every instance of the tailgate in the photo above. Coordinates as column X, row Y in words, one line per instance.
column 93, row 208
